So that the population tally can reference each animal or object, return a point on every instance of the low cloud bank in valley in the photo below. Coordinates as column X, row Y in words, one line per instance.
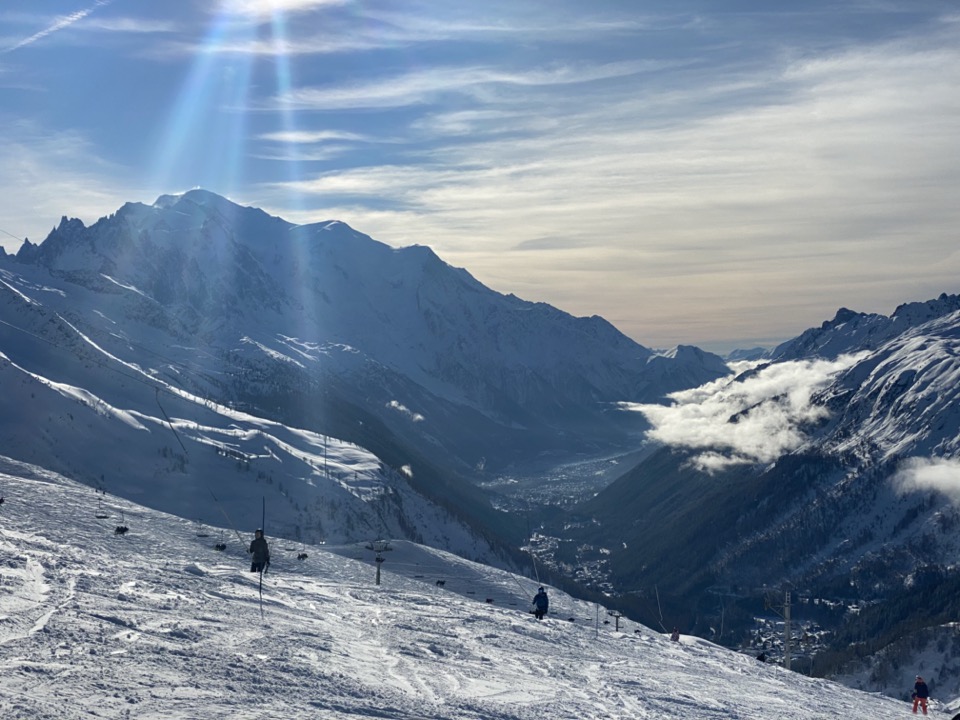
column 755, row 415
column 940, row 474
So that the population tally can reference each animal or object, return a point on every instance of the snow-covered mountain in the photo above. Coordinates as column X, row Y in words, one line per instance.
column 123, row 431
column 155, row 624
column 277, row 316
column 851, row 331
column 903, row 400
column 195, row 349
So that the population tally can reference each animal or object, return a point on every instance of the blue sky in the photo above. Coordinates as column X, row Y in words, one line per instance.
column 723, row 174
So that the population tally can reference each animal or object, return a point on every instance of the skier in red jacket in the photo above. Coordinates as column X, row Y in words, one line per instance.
column 920, row 695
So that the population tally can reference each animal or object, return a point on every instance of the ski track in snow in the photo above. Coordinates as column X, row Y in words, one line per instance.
column 158, row 625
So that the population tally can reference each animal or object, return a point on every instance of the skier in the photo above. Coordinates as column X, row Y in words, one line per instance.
column 920, row 695
column 675, row 635
column 541, row 603
column 260, row 552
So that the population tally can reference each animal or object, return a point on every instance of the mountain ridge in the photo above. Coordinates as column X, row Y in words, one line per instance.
column 407, row 310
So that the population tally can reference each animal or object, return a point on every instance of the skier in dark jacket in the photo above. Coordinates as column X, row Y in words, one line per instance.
column 920, row 695
column 541, row 603
column 260, row 552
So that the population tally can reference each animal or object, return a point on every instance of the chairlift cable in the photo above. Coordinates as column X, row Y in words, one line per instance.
column 158, row 388
column 520, row 585
column 170, row 424
column 11, row 235
column 99, row 361
column 535, row 570
column 224, row 511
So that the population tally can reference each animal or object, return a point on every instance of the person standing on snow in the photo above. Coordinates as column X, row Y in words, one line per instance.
column 920, row 694
column 541, row 603
column 260, row 552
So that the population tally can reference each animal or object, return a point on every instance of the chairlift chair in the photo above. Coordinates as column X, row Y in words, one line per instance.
column 122, row 528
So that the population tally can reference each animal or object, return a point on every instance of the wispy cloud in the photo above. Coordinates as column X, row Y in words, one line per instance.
column 755, row 416
column 422, row 86
column 299, row 146
column 269, row 8
column 60, row 23
column 308, row 137
column 133, row 25
column 471, row 123
column 940, row 474
column 327, row 44
column 349, row 26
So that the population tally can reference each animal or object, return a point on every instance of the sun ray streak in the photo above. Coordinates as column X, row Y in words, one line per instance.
column 284, row 85
column 289, row 133
column 211, row 103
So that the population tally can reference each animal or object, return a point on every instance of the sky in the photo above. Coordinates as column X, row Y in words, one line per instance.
column 724, row 174
column 156, row 624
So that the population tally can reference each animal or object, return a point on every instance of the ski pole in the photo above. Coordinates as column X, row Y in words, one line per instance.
column 261, row 593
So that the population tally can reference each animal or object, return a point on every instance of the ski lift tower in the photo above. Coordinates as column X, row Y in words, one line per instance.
column 380, row 546
column 787, row 627
column 787, row 631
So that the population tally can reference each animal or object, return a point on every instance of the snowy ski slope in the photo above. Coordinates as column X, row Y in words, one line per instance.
column 156, row 624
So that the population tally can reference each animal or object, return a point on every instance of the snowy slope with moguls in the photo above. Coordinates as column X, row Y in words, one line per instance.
column 155, row 624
